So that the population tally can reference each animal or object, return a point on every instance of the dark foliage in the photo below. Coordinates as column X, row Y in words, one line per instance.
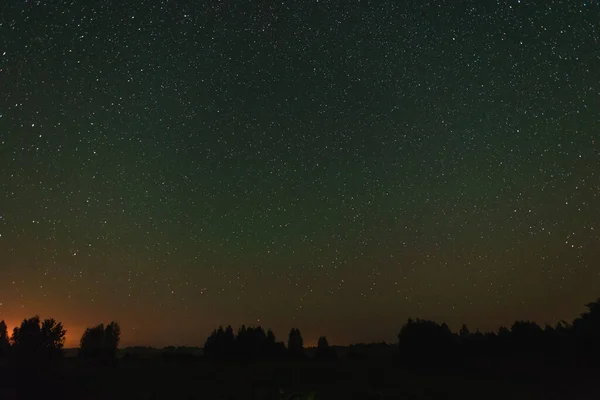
column 295, row 343
column 420, row 343
column 586, row 334
column 100, row 342
column 249, row 343
column 39, row 340
column 221, row 343
column 4, row 340
column 324, row 351
column 423, row 342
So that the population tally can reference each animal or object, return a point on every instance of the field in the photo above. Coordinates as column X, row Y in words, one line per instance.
column 309, row 379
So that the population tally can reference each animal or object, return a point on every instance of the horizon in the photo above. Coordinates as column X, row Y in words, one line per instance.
column 332, row 166
column 72, row 339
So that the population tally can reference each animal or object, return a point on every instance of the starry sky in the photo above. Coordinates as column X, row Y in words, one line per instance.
column 337, row 166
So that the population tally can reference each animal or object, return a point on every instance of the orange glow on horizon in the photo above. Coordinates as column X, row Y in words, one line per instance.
column 73, row 336
column 10, row 326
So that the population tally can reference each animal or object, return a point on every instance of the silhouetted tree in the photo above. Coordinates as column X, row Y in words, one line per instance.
column 92, row 344
column 322, row 344
column 35, row 339
column 586, row 334
column 295, row 343
column 4, row 341
column 324, row 351
column 273, row 348
column 228, row 339
column 250, row 342
column 503, row 332
column 526, row 329
column 100, row 342
column 526, row 338
column 112, row 338
column 464, row 332
column 215, row 344
column 270, row 340
column 241, row 341
column 425, row 342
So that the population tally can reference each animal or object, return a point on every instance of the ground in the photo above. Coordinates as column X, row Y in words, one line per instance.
column 339, row 379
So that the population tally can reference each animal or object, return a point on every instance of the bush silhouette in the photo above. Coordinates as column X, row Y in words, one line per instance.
column 35, row 339
column 100, row 342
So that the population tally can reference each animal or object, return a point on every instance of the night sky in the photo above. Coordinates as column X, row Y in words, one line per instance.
column 336, row 166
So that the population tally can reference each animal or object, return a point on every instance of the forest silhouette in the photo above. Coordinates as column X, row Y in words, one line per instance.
column 420, row 341
column 35, row 349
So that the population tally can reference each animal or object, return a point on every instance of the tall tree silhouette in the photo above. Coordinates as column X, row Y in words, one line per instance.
column 4, row 341
column 100, row 342
column 213, row 343
column 36, row 339
column 221, row 343
column 251, row 342
column 112, row 337
column 91, row 344
column 273, row 348
column 295, row 343
column 270, row 340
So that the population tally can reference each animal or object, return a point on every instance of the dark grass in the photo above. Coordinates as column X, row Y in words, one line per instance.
column 198, row 378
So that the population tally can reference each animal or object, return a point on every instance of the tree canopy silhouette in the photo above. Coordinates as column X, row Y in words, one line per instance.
column 423, row 341
column 579, row 342
column 324, row 351
column 250, row 342
column 100, row 342
column 295, row 343
column 526, row 337
column 586, row 333
column 4, row 340
column 464, row 332
column 220, row 343
column 36, row 339
column 112, row 337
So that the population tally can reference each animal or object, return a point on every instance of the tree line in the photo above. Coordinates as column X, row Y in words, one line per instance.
column 420, row 342
column 254, row 342
column 578, row 342
column 45, row 340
